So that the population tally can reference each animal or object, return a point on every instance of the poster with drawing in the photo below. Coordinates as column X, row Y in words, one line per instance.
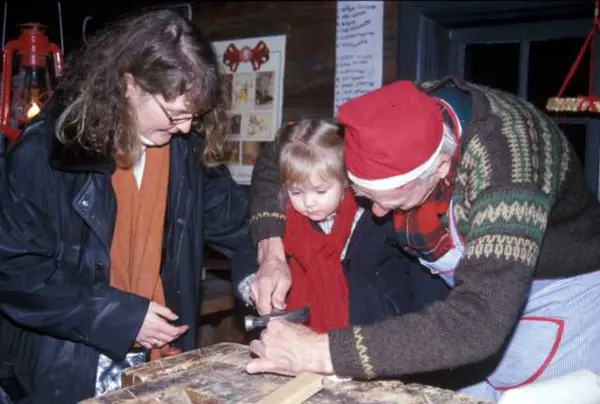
column 252, row 71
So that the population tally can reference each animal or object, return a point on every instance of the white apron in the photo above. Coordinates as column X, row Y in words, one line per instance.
column 558, row 332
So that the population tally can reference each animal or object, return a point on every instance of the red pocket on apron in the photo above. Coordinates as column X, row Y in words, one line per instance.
column 532, row 347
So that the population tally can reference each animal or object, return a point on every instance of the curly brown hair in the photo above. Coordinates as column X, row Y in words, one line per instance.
column 166, row 54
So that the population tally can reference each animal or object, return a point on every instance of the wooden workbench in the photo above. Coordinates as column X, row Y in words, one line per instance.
column 216, row 375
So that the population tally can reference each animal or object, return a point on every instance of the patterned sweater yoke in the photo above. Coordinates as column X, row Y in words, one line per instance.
column 523, row 210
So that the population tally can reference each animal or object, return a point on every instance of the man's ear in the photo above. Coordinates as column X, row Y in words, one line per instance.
column 443, row 165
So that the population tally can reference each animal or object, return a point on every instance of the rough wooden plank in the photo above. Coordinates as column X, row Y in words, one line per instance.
column 193, row 397
column 296, row 391
column 218, row 373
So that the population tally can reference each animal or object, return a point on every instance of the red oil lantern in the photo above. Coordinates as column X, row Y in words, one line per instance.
column 27, row 78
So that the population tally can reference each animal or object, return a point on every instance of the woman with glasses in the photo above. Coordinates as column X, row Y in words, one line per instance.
column 107, row 200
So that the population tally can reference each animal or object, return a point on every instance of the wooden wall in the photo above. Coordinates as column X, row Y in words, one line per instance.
column 310, row 49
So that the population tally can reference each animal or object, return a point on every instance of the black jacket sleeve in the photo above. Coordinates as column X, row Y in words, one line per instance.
column 266, row 196
column 226, row 226
column 36, row 291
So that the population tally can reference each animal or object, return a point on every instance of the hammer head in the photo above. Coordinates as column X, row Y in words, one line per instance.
column 295, row 316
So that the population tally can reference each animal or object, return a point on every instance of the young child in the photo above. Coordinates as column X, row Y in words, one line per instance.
column 344, row 261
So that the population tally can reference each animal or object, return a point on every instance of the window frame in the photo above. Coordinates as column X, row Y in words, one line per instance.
column 524, row 34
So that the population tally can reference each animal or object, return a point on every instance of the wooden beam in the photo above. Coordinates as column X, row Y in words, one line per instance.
column 301, row 388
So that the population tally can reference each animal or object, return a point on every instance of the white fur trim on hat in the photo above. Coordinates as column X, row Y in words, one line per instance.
column 385, row 184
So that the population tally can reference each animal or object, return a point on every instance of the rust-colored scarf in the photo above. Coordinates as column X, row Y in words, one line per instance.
column 136, row 248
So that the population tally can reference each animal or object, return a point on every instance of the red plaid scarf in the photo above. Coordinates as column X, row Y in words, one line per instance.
column 317, row 275
column 422, row 228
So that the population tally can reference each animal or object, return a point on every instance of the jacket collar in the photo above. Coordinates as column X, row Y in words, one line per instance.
column 72, row 157
column 76, row 158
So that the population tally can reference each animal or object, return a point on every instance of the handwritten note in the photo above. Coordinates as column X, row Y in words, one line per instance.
column 359, row 49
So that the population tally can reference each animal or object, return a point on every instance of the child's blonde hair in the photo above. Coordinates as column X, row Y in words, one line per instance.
column 309, row 148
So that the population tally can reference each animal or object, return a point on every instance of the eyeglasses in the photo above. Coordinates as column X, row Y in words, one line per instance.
column 174, row 121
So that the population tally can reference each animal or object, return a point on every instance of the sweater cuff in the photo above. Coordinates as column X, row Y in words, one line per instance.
column 265, row 225
column 349, row 354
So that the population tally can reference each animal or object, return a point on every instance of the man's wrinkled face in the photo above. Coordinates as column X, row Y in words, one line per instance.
column 409, row 195
column 404, row 198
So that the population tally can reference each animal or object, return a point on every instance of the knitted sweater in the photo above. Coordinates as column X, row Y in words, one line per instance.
column 523, row 210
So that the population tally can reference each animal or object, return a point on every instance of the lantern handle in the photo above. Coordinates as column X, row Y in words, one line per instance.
column 60, row 27
column 4, row 23
column 7, row 61
column 57, row 57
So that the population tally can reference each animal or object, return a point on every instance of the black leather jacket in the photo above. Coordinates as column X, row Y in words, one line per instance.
column 57, row 213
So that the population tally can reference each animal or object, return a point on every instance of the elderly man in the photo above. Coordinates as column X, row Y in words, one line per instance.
column 485, row 191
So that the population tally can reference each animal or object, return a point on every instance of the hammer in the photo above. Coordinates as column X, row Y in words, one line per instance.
column 295, row 316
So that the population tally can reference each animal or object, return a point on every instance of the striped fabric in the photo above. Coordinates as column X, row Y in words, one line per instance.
column 558, row 333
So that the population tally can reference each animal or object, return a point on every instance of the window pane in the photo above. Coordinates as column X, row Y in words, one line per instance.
column 493, row 64
column 549, row 64
column 576, row 133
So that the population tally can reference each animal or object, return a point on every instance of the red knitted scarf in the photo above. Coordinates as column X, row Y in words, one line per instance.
column 317, row 275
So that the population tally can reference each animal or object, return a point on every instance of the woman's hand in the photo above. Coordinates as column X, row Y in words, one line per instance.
column 156, row 331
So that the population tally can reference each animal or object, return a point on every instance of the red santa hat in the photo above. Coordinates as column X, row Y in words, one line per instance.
column 392, row 135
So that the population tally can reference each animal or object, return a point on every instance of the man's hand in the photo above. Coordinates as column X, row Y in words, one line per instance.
column 290, row 349
column 273, row 279
column 156, row 331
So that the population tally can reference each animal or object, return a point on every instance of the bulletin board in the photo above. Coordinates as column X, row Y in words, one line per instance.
column 252, row 72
